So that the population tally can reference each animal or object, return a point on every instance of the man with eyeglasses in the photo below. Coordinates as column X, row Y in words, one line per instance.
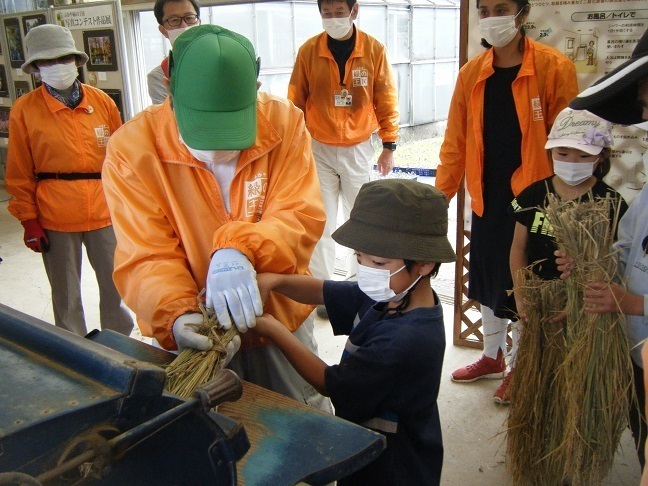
column 174, row 17
column 57, row 143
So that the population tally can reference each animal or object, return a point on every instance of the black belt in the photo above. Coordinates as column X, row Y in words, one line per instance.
column 68, row 176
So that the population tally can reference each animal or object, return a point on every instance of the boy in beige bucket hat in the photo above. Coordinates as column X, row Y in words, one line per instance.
column 57, row 144
column 389, row 374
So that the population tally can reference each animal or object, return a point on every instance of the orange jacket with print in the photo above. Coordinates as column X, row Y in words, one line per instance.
column 369, row 80
column 169, row 215
column 47, row 136
column 545, row 84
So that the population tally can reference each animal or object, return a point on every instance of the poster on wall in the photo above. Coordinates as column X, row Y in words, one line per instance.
column 100, row 47
column 14, row 42
column 116, row 96
column 22, row 88
column 4, row 121
column 4, row 87
column 31, row 21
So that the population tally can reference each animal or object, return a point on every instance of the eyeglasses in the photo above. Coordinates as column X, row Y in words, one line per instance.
column 176, row 21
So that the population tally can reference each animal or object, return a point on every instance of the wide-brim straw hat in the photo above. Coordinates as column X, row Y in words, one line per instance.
column 614, row 96
column 399, row 218
column 47, row 42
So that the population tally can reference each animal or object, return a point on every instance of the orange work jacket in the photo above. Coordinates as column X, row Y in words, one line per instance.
column 545, row 84
column 169, row 217
column 47, row 136
column 369, row 80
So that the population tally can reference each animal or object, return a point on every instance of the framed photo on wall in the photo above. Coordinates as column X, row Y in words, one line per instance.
column 22, row 88
column 100, row 47
column 4, row 87
column 31, row 21
column 14, row 42
column 116, row 96
column 36, row 80
column 4, row 121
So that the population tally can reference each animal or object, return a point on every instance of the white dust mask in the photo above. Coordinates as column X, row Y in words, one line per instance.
column 573, row 173
column 374, row 282
column 175, row 33
column 59, row 76
column 337, row 27
column 499, row 31
column 212, row 156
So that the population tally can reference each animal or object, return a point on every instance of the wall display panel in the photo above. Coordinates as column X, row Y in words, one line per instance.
column 14, row 42
column 31, row 21
column 4, row 121
column 116, row 96
column 4, row 85
column 100, row 47
column 21, row 88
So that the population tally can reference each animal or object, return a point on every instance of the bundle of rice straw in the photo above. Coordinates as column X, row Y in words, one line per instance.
column 581, row 418
column 193, row 367
column 537, row 411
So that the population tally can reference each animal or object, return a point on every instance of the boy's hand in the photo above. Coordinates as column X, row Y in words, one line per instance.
column 266, row 282
column 266, row 325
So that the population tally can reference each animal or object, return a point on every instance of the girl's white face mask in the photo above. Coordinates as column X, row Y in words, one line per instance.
column 573, row 173
column 338, row 27
column 59, row 76
column 374, row 282
column 499, row 31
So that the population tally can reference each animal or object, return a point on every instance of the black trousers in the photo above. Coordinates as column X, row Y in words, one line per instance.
column 637, row 415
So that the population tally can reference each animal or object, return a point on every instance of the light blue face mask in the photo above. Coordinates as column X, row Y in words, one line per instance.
column 374, row 282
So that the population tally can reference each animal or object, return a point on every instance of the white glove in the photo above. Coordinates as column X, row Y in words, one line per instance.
column 232, row 289
column 186, row 335
column 232, row 348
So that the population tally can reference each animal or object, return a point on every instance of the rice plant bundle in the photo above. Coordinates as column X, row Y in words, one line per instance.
column 537, row 411
column 193, row 367
column 597, row 367
column 571, row 384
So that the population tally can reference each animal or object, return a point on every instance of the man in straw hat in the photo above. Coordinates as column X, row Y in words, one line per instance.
column 622, row 97
column 57, row 143
column 206, row 189
column 389, row 374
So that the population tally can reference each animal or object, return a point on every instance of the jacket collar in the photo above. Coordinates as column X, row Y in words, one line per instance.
column 358, row 50
column 526, row 69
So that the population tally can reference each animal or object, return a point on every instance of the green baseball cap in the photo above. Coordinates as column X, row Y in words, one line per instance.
column 213, row 88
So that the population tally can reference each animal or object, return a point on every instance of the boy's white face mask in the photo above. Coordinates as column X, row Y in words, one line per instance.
column 212, row 156
column 374, row 282
column 175, row 33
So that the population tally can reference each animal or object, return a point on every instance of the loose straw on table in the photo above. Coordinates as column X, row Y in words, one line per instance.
column 193, row 367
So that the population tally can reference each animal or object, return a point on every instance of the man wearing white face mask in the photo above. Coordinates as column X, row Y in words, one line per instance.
column 57, row 143
column 503, row 106
column 344, row 84
column 207, row 189
column 174, row 17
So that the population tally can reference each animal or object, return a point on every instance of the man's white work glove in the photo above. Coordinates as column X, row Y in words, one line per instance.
column 186, row 335
column 232, row 348
column 232, row 289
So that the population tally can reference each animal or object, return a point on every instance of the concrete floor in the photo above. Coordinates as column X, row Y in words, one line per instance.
column 473, row 425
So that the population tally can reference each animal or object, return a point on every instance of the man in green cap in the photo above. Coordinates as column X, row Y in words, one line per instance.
column 206, row 189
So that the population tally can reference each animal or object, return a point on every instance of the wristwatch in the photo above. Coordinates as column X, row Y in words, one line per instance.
column 390, row 145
